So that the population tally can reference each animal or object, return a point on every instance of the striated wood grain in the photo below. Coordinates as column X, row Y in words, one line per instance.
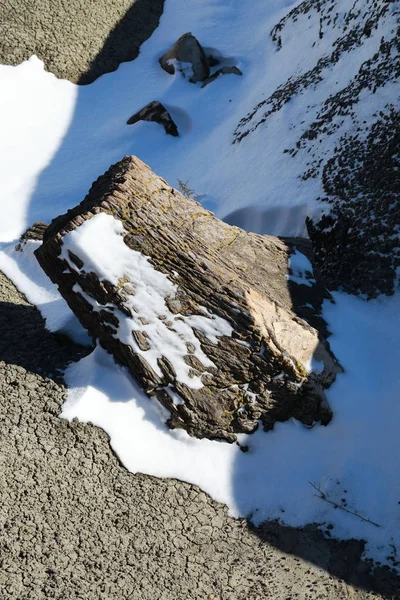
column 260, row 370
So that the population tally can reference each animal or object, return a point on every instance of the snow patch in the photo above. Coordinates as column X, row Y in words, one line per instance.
column 301, row 269
column 24, row 270
column 185, row 68
column 354, row 458
column 99, row 243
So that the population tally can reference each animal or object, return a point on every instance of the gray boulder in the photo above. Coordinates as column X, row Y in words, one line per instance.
column 188, row 57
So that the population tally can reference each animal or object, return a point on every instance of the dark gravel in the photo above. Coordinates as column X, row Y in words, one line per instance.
column 357, row 245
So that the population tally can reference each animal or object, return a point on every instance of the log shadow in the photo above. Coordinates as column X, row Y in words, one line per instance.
column 272, row 220
column 313, row 543
column 341, row 559
column 125, row 39
column 24, row 341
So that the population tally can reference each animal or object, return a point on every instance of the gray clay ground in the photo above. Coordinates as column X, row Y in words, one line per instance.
column 78, row 40
column 74, row 524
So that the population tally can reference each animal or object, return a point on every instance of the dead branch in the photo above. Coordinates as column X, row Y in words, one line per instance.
column 324, row 496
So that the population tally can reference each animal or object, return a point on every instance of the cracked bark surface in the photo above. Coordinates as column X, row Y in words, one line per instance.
column 259, row 372
column 75, row 525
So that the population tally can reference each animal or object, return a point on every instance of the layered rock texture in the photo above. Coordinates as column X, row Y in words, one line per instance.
column 348, row 136
column 201, row 312
column 35, row 233
column 76, row 40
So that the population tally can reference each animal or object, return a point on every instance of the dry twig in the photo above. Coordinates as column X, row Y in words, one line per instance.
column 187, row 191
column 325, row 497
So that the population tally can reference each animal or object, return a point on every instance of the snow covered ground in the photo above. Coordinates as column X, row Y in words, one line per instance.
column 57, row 138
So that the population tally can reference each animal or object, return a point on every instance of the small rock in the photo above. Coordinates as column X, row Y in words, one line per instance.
column 187, row 52
column 155, row 111
column 35, row 232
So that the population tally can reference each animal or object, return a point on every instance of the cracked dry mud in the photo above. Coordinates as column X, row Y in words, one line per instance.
column 79, row 40
column 74, row 524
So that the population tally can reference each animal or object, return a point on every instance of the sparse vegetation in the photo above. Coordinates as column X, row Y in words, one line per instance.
column 185, row 190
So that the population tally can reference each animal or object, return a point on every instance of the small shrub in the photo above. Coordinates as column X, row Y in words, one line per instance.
column 185, row 190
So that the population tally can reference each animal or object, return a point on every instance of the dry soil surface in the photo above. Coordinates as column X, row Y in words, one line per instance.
column 78, row 40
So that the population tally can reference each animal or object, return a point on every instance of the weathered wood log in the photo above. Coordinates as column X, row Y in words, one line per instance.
column 201, row 313
column 35, row 233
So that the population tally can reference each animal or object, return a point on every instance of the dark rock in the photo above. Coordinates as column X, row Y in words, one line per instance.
column 223, row 71
column 357, row 245
column 213, row 61
column 187, row 51
column 218, row 274
column 155, row 111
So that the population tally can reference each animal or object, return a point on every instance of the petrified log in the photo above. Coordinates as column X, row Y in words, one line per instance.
column 155, row 111
column 200, row 312
column 187, row 52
